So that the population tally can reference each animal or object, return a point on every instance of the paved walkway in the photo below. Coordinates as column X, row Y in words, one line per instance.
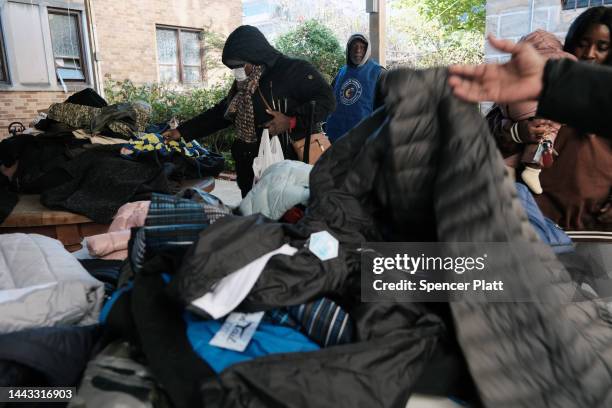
column 228, row 192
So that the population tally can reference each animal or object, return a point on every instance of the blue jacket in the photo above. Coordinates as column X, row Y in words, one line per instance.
column 548, row 231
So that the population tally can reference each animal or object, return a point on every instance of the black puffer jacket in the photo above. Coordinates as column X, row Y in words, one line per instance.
column 285, row 79
column 425, row 169
column 553, row 353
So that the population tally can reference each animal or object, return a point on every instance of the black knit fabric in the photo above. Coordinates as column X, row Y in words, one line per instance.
column 87, row 97
column 101, row 181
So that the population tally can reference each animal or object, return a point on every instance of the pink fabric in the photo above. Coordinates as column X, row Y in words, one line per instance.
column 116, row 256
column 108, row 245
column 113, row 244
column 130, row 215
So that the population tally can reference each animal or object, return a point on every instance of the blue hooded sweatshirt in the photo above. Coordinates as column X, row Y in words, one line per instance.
column 354, row 89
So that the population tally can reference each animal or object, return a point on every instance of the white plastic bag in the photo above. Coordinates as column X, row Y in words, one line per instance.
column 270, row 152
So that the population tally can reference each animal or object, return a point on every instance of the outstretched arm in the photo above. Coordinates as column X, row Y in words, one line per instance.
column 519, row 79
column 569, row 92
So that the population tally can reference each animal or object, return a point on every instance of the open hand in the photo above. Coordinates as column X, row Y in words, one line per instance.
column 518, row 80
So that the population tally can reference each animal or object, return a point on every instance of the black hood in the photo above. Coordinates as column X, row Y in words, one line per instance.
column 248, row 44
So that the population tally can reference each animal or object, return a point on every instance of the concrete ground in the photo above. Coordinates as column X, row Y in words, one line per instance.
column 228, row 192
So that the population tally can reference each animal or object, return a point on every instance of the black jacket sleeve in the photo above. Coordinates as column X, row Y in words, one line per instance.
column 311, row 86
column 206, row 123
column 379, row 98
column 577, row 94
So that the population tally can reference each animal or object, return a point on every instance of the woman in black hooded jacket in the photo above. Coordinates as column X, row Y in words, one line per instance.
column 271, row 91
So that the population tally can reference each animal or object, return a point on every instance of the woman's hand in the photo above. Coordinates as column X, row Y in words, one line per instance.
column 534, row 130
column 519, row 79
column 172, row 134
column 279, row 124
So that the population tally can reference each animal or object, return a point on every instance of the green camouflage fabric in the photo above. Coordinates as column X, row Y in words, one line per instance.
column 124, row 119
column 76, row 116
column 142, row 112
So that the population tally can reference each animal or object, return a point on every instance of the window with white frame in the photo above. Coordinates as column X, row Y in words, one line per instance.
column 179, row 54
column 45, row 45
column 66, row 41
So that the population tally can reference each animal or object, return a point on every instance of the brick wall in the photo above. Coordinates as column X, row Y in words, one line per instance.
column 512, row 19
column 23, row 106
column 126, row 31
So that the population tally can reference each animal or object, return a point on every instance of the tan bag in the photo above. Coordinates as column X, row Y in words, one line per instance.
column 319, row 143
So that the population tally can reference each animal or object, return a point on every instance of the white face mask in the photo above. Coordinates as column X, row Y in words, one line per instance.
column 239, row 74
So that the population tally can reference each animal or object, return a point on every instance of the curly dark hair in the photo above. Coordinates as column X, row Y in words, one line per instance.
column 593, row 15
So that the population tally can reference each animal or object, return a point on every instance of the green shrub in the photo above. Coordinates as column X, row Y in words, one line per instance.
column 168, row 103
column 315, row 43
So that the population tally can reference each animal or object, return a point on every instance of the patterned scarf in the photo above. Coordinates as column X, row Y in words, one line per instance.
column 240, row 109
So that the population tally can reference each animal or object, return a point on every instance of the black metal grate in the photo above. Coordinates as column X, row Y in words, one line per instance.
column 576, row 4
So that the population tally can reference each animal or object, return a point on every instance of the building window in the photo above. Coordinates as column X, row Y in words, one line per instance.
column 3, row 70
column 576, row 4
column 179, row 55
column 67, row 45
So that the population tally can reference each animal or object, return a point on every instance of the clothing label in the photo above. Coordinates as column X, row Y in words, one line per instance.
column 237, row 331
column 323, row 245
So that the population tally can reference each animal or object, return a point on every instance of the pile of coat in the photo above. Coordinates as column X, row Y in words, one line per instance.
column 74, row 161
column 422, row 169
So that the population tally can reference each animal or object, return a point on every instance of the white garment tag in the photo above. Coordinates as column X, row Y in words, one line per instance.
column 237, row 331
column 323, row 245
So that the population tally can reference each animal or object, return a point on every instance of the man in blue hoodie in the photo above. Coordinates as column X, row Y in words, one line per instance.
column 354, row 88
